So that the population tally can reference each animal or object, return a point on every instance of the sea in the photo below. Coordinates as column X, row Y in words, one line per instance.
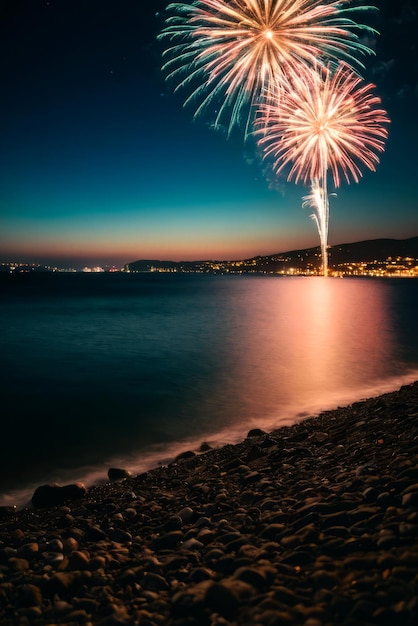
column 101, row 370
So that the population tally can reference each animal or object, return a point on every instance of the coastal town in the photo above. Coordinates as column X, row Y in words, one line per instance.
column 378, row 258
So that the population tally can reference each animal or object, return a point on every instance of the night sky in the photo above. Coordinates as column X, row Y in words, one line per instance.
column 101, row 164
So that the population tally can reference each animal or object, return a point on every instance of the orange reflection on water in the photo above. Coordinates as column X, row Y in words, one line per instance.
column 338, row 333
column 312, row 343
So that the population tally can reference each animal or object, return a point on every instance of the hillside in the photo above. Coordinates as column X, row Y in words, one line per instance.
column 361, row 251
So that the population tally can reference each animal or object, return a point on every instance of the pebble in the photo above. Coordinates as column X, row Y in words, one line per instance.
column 313, row 524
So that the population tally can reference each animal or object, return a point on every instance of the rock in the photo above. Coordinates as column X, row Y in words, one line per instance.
column 53, row 558
column 154, row 582
column 324, row 579
column 188, row 604
column 115, row 473
column 198, row 574
column 256, row 432
column 69, row 545
column 120, row 536
column 193, row 544
column 285, row 595
column 61, row 582
column 222, row 600
column 186, row 514
column 188, row 454
column 18, row 565
column 94, row 533
column 268, row 442
column 52, row 495
column 55, row 545
column 174, row 522
column 29, row 595
column 410, row 499
column 97, row 562
column 29, row 551
column 272, row 531
column 318, row 437
column 255, row 453
column 252, row 576
column 78, row 560
column 168, row 541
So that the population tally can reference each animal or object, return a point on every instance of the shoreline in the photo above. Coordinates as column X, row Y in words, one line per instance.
column 314, row 524
column 158, row 454
column 162, row 454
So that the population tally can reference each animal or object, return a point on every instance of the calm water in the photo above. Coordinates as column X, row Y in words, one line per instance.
column 117, row 369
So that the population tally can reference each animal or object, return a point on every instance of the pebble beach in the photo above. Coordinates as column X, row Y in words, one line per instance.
column 314, row 524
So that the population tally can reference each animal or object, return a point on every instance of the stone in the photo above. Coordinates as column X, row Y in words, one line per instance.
column 222, row 600
column 78, row 560
column 97, row 562
column 115, row 473
column 255, row 453
column 94, row 533
column 18, row 565
column 268, row 442
column 252, row 576
column 168, row 541
column 256, row 432
column 53, row 494
column 174, row 522
column 186, row 514
column 69, row 545
column 188, row 454
column 410, row 499
column 29, row 595
column 154, row 582
column 193, row 544
column 53, row 558
column 120, row 536
column 29, row 551
column 272, row 532
column 324, row 579
column 198, row 574
column 61, row 582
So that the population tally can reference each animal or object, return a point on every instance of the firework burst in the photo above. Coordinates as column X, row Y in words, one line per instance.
column 325, row 123
column 227, row 52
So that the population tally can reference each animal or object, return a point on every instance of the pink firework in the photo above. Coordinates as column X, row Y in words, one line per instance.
column 324, row 123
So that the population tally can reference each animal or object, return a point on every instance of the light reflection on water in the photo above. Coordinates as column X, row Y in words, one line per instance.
column 133, row 374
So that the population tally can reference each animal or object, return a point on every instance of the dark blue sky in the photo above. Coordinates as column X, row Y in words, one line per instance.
column 100, row 163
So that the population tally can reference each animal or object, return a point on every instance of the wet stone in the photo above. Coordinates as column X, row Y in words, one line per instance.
column 120, row 535
column 222, row 600
column 18, row 565
column 28, row 551
column 168, row 540
column 252, row 576
column 115, row 473
column 186, row 514
column 154, row 582
column 256, row 432
column 272, row 531
column 29, row 595
column 78, row 560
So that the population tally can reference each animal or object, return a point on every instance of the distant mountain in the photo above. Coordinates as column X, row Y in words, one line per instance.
column 367, row 251
column 375, row 249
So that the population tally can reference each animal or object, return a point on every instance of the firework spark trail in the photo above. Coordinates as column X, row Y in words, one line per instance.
column 325, row 123
column 319, row 202
column 227, row 52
